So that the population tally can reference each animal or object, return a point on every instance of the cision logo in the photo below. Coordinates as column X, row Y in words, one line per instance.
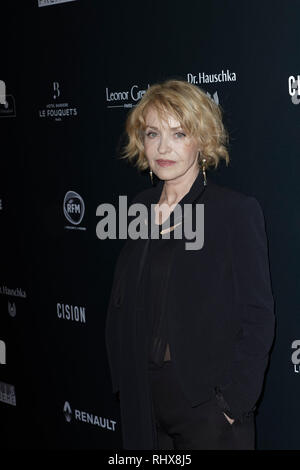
column 59, row 109
column 74, row 209
column 74, row 313
column 296, row 355
column 294, row 88
column 88, row 418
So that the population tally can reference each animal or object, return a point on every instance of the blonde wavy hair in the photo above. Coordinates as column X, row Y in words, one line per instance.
column 197, row 113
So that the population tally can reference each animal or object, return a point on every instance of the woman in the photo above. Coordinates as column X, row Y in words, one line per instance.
column 188, row 330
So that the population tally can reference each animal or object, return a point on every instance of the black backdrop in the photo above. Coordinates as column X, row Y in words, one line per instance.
column 72, row 70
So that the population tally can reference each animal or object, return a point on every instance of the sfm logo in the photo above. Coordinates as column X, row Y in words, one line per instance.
column 296, row 355
column 294, row 88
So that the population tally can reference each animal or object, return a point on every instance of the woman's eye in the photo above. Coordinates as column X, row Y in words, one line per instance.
column 151, row 134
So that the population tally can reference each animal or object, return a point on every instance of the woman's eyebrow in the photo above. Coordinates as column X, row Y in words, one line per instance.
column 156, row 128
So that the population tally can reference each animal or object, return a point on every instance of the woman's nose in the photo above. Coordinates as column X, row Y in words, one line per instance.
column 163, row 146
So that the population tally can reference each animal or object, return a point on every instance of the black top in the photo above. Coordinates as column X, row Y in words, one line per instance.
column 154, row 283
column 154, row 286
column 155, row 300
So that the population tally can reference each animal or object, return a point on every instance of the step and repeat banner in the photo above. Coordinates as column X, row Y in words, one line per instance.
column 69, row 73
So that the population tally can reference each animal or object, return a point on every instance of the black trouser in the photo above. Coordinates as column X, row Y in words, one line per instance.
column 203, row 427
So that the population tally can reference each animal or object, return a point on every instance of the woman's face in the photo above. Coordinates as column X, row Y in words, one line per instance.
column 167, row 141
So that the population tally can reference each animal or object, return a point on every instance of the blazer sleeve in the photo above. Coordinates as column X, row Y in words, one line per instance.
column 255, row 307
column 113, row 331
column 113, row 322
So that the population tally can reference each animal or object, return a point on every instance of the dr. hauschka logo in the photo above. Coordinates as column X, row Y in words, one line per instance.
column 71, row 312
column 294, row 88
column 7, row 393
column 124, row 98
column 74, row 208
column 48, row 3
column 89, row 418
column 12, row 309
column 296, row 355
column 13, row 291
column 2, row 352
column 202, row 78
column 58, row 110
column 7, row 102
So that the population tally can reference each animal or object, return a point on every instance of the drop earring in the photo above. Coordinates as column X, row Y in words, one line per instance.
column 151, row 176
column 203, row 171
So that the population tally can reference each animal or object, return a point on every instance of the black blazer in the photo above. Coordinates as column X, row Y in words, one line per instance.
column 220, row 311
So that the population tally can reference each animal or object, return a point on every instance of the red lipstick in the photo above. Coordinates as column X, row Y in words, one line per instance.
column 163, row 162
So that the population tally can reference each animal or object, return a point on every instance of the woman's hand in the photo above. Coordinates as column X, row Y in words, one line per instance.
column 231, row 421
